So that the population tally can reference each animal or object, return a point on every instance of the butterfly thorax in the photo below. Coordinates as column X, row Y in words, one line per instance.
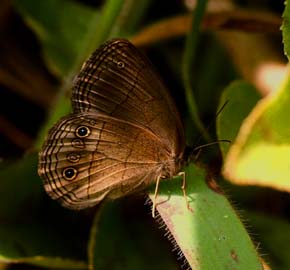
column 172, row 167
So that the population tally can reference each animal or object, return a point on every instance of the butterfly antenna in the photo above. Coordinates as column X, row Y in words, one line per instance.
column 190, row 150
column 192, row 153
column 209, row 144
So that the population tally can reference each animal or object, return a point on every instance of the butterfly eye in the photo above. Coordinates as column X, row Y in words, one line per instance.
column 83, row 131
column 69, row 173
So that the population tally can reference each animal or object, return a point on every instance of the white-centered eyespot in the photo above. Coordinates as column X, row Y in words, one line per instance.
column 69, row 173
column 82, row 131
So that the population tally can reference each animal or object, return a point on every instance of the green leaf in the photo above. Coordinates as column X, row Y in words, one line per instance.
column 211, row 235
column 31, row 232
column 20, row 188
column 261, row 151
column 286, row 29
column 37, row 244
column 239, row 99
column 63, row 27
column 123, row 241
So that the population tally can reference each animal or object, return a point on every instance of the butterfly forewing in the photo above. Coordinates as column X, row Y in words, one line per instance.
column 120, row 81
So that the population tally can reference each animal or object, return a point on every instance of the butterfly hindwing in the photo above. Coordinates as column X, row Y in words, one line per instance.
column 89, row 157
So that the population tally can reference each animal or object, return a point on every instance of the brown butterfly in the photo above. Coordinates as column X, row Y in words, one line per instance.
column 124, row 133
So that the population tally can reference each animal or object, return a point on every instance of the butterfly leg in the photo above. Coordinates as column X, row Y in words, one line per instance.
column 183, row 187
column 155, row 196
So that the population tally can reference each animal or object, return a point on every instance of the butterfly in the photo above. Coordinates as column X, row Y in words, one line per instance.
column 124, row 134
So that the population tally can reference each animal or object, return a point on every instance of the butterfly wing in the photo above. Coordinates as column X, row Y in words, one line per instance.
column 89, row 157
column 119, row 81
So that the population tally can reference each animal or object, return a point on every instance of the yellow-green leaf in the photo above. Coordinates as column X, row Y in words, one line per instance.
column 261, row 153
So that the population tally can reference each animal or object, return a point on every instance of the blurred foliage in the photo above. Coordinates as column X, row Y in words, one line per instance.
column 43, row 46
